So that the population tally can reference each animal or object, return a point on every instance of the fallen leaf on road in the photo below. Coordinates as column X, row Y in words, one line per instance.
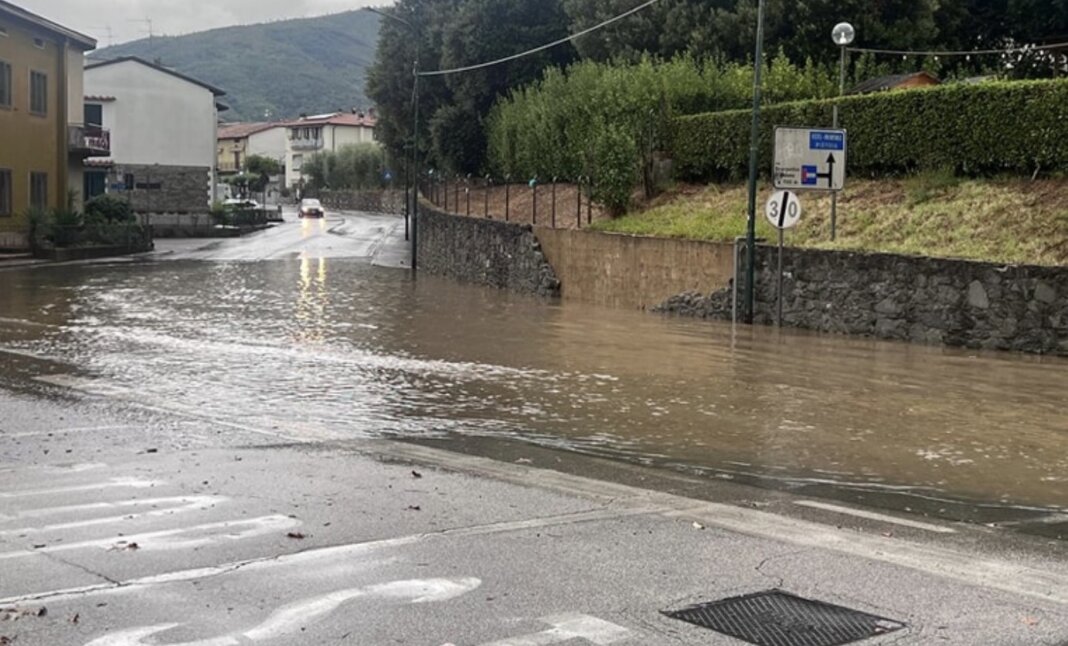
column 75, row 618
column 5, row 640
column 152, row 451
column 697, row 525
column 1030, row 621
column 414, row 508
column 416, row 474
column 123, row 545
column 295, row 535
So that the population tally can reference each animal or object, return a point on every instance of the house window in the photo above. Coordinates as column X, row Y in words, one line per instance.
column 39, row 190
column 298, row 162
column 5, row 192
column 94, row 114
column 237, row 161
column 128, row 182
column 5, row 85
column 38, row 93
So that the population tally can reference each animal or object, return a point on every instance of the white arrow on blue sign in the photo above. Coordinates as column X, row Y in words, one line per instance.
column 810, row 159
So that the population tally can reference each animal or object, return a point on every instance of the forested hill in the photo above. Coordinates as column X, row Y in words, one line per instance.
column 273, row 70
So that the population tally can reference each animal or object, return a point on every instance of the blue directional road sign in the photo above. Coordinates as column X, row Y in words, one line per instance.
column 810, row 158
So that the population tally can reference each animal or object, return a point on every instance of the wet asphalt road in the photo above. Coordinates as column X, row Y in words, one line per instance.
column 165, row 520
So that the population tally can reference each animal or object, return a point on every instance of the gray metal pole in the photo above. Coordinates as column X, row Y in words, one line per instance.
column 834, row 194
column 415, row 155
column 779, row 291
column 754, row 144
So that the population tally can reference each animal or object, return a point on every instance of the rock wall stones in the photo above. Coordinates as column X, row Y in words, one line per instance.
column 383, row 201
column 164, row 189
column 483, row 252
column 928, row 300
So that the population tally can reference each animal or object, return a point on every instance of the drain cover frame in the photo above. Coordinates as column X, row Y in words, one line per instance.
column 778, row 618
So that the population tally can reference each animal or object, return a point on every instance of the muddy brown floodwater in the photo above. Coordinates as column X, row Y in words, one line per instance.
column 330, row 348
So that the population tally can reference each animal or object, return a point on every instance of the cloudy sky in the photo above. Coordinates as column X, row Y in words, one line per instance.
column 126, row 18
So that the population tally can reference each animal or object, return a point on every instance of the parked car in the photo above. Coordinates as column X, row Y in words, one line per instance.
column 238, row 204
column 311, row 209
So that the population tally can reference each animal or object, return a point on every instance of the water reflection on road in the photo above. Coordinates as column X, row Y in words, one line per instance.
column 336, row 348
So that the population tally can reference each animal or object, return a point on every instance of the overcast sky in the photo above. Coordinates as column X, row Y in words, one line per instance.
column 173, row 17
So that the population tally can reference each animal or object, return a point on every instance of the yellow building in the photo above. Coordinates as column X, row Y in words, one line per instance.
column 41, row 107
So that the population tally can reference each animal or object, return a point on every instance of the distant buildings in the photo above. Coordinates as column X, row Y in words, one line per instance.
column 324, row 133
column 43, row 137
column 896, row 82
column 163, row 135
column 239, row 141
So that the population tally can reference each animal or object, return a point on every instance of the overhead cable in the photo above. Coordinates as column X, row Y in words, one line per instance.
column 974, row 52
column 542, row 48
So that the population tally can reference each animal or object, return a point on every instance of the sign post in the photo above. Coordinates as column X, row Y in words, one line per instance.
column 783, row 210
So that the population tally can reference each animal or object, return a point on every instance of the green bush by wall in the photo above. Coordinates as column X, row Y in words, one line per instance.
column 986, row 128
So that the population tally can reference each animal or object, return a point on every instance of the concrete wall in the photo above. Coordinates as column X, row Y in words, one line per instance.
column 156, row 118
column 483, row 252
column 632, row 271
column 926, row 300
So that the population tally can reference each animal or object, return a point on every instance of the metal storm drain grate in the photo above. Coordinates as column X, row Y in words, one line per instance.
column 776, row 618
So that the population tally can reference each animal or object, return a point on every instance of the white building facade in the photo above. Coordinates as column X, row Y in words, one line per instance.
column 324, row 133
column 163, row 135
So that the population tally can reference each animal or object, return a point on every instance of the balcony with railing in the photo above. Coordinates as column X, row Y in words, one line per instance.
column 306, row 144
column 88, row 140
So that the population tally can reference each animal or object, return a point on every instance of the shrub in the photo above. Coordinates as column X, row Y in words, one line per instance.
column 971, row 129
column 108, row 208
column 561, row 125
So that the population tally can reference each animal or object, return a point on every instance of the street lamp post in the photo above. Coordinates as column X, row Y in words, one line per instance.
column 415, row 126
column 843, row 36
column 754, row 142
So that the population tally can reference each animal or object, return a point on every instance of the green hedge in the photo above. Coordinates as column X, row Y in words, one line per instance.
column 985, row 128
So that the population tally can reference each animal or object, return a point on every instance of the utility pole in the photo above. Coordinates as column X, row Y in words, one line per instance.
column 754, row 146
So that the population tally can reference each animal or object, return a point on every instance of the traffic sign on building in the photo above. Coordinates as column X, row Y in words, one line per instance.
column 810, row 159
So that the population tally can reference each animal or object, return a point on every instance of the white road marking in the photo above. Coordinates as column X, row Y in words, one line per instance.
column 567, row 627
column 165, row 507
column 870, row 515
column 341, row 553
column 296, row 616
column 114, row 483
column 171, row 539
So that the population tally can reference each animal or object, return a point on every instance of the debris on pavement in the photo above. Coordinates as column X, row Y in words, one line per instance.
column 414, row 508
column 296, row 535
column 124, row 546
column 14, row 614
column 416, row 474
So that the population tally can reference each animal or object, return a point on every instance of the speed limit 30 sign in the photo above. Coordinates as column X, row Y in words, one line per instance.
column 783, row 209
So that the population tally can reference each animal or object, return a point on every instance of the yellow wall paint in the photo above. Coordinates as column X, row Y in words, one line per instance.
column 28, row 142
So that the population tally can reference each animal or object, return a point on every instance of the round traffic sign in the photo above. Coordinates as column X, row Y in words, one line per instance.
column 783, row 209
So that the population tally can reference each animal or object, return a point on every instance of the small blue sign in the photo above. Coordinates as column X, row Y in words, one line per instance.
column 810, row 175
column 388, row 176
column 120, row 187
column 826, row 141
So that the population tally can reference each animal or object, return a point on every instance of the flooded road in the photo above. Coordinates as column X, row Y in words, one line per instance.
column 296, row 330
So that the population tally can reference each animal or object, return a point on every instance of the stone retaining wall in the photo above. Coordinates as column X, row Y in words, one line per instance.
column 483, row 252
column 383, row 201
column 164, row 189
column 927, row 300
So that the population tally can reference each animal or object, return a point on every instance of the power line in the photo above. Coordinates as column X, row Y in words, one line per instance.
column 542, row 48
column 974, row 52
